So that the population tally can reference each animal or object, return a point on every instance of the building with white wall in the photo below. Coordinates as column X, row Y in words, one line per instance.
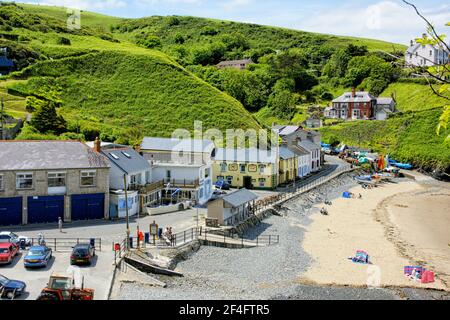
column 426, row 55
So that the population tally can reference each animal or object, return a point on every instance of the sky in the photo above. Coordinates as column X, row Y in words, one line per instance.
column 390, row 20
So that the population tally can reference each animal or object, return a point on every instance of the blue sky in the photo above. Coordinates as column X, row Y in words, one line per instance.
column 390, row 20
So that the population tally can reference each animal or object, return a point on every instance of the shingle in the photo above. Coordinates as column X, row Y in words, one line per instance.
column 41, row 155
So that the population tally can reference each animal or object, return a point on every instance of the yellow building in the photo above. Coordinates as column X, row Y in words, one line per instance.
column 249, row 168
column 288, row 165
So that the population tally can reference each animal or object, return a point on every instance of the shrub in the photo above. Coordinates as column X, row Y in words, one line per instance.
column 63, row 41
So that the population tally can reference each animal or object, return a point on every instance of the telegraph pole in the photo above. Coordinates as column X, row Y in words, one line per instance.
column 1, row 120
column 126, row 210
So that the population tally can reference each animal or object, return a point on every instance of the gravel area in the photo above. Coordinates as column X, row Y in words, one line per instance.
column 264, row 272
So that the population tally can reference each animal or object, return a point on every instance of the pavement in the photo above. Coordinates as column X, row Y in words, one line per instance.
column 98, row 276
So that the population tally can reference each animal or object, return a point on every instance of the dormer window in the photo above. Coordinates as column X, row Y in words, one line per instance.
column 114, row 156
column 126, row 154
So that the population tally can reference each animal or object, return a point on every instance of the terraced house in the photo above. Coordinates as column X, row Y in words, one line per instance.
column 41, row 181
column 249, row 168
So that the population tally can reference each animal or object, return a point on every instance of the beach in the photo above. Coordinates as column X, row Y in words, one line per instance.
column 398, row 224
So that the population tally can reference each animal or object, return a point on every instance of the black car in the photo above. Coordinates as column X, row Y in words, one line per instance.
column 82, row 254
column 11, row 288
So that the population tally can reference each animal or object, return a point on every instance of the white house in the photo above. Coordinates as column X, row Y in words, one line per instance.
column 127, row 164
column 183, row 165
column 426, row 55
column 304, row 160
column 307, row 140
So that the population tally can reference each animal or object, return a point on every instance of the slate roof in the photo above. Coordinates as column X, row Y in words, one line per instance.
column 360, row 96
column 239, row 197
column 174, row 145
column 384, row 100
column 126, row 159
column 234, row 62
column 286, row 130
column 246, row 155
column 286, row 153
column 308, row 145
column 5, row 62
column 49, row 155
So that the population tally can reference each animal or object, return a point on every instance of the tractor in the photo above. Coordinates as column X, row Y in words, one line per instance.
column 61, row 286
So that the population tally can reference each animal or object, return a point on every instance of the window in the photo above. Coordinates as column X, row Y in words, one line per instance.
column 262, row 168
column 431, row 53
column 56, row 179
column 242, row 167
column 1, row 182
column 88, row 178
column 24, row 181
column 168, row 174
column 223, row 167
column 230, row 179
column 207, row 172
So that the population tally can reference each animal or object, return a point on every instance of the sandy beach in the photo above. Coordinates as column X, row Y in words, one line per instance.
column 397, row 224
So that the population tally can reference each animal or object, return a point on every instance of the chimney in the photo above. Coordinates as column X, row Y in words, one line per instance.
column 353, row 92
column 97, row 145
column 137, row 148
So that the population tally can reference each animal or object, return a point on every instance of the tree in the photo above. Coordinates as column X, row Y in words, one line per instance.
column 282, row 103
column 438, row 76
column 46, row 120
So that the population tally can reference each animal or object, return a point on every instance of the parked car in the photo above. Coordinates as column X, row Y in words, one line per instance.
column 37, row 256
column 7, row 236
column 82, row 254
column 222, row 184
column 8, row 251
column 11, row 288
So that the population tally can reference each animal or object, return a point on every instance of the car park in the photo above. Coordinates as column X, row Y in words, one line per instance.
column 7, row 236
column 37, row 256
column 82, row 254
column 8, row 251
column 11, row 288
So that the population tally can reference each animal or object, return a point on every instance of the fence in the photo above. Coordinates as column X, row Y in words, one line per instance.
column 263, row 204
column 66, row 244
column 262, row 240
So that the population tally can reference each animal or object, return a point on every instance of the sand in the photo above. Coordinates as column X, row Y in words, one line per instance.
column 388, row 223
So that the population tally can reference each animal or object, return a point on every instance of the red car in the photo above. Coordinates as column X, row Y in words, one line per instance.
column 8, row 251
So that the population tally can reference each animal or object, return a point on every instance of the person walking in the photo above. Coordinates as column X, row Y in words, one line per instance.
column 60, row 224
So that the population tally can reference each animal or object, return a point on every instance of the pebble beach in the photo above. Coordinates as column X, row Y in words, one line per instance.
column 310, row 262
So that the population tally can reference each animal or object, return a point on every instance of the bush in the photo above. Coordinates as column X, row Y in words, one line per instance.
column 63, row 41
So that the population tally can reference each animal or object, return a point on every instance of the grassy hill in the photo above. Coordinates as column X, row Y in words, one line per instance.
column 113, row 88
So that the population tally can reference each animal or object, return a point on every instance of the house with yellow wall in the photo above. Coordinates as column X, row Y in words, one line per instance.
column 249, row 168
column 288, row 165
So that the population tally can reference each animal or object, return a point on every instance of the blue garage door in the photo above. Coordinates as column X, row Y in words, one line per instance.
column 10, row 211
column 45, row 209
column 88, row 206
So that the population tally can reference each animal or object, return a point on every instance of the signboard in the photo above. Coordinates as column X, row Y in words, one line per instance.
column 252, row 168
column 154, row 229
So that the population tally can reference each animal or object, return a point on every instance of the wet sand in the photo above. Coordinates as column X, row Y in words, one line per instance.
column 389, row 223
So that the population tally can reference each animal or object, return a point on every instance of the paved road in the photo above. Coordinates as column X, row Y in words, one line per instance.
column 98, row 276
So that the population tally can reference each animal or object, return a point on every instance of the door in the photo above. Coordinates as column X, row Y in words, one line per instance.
column 88, row 206
column 248, row 183
column 45, row 209
column 10, row 211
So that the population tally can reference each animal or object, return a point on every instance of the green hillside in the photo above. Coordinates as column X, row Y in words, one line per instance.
column 116, row 89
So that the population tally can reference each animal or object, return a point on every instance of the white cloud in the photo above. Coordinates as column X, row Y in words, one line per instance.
column 387, row 20
column 83, row 4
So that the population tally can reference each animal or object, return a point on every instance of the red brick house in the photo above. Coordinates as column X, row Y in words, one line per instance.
column 353, row 106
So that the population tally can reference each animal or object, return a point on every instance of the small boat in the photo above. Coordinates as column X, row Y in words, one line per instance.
column 168, row 208
column 366, row 180
column 405, row 166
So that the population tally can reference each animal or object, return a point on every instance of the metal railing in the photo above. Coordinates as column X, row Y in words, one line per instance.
column 265, row 203
column 261, row 240
column 66, row 244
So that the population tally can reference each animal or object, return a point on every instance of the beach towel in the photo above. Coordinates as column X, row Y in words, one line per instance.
column 346, row 194
column 360, row 257
column 427, row 277
column 408, row 270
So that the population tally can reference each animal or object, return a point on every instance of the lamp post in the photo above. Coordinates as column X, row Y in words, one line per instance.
column 126, row 210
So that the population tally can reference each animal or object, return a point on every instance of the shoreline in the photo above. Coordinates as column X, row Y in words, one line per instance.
column 270, row 272
column 364, row 224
